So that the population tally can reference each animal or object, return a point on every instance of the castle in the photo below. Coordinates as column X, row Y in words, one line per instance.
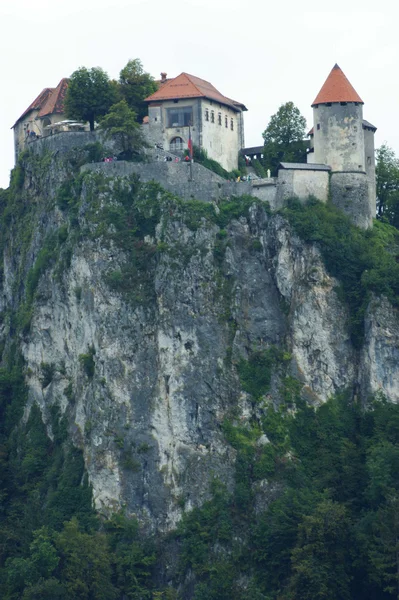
column 340, row 166
column 35, row 121
column 341, row 162
column 189, row 105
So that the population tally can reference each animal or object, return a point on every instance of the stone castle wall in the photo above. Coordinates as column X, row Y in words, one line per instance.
column 350, row 193
column 302, row 184
column 175, row 177
column 63, row 141
column 349, row 190
column 338, row 136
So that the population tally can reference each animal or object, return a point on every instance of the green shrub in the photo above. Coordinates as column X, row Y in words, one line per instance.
column 87, row 362
column 256, row 372
column 48, row 372
column 363, row 261
column 258, row 168
column 201, row 157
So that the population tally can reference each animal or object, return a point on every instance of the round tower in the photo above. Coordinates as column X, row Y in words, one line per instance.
column 338, row 131
column 339, row 143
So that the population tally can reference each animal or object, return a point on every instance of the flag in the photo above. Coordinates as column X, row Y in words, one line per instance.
column 190, row 144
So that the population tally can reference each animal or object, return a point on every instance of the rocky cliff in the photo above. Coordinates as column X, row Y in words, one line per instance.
column 151, row 322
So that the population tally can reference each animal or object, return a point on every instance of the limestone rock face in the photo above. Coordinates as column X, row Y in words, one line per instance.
column 146, row 385
column 378, row 370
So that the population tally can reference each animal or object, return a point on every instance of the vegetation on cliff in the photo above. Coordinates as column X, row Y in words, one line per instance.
column 364, row 262
column 312, row 513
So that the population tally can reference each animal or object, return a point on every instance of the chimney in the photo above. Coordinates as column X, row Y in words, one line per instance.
column 163, row 77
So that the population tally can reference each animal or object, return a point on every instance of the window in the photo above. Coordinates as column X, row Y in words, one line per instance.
column 226, row 122
column 318, row 126
column 232, row 124
column 180, row 117
column 220, row 118
column 206, row 114
column 212, row 116
column 176, row 144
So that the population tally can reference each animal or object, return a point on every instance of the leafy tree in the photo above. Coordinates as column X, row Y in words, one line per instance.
column 120, row 125
column 275, row 535
column 387, row 183
column 383, row 469
column 90, row 95
column 135, row 85
column 284, row 137
column 86, row 572
column 27, row 576
column 320, row 560
column 133, row 559
column 384, row 547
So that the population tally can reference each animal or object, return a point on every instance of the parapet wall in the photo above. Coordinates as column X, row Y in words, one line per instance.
column 175, row 177
column 302, row 184
column 63, row 141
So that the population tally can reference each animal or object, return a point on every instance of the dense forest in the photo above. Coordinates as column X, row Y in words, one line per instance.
column 328, row 527
column 325, row 523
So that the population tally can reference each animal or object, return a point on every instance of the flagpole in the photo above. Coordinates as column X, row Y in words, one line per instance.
column 190, row 151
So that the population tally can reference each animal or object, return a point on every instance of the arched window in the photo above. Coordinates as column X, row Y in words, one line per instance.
column 176, row 145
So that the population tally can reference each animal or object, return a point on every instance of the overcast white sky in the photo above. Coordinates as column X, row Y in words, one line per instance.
column 262, row 56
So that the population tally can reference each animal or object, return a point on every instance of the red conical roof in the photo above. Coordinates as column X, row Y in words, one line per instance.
column 337, row 88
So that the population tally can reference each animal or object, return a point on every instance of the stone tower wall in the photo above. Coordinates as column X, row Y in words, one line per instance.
column 338, row 136
column 350, row 193
column 369, row 159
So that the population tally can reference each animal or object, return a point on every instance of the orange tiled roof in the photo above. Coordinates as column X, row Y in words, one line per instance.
column 49, row 101
column 37, row 103
column 189, row 86
column 337, row 88
column 55, row 102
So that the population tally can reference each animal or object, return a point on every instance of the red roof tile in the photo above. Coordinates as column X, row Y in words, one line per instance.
column 189, row 86
column 37, row 103
column 49, row 101
column 337, row 88
column 55, row 102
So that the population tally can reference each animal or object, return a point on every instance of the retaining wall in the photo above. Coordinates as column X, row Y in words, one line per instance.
column 175, row 177
column 350, row 193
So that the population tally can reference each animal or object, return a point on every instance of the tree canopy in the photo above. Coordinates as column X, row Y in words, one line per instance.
column 135, row 85
column 120, row 125
column 387, row 185
column 90, row 95
column 284, row 137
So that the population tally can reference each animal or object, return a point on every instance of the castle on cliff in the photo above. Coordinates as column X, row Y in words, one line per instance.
column 341, row 162
column 340, row 166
